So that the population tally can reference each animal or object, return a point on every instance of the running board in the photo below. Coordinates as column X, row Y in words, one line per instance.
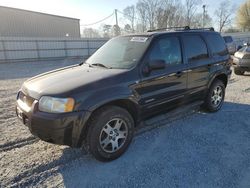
column 166, row 118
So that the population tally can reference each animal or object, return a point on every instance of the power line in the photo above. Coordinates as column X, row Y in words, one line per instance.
column 113, row 13
column 98, row 21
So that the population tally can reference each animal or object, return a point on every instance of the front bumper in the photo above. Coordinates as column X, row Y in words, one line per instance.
column 63, row 129
column 241, row 63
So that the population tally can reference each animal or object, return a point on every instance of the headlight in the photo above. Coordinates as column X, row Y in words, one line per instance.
column 56, row 105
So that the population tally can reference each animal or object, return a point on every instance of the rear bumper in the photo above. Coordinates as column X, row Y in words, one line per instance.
column 62, row 129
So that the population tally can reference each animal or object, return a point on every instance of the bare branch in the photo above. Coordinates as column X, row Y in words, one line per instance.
column 224, row 14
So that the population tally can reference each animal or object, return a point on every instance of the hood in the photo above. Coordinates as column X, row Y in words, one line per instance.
column 242, row 55
column 64, row 80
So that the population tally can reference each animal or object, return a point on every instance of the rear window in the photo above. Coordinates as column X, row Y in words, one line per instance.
column 216, row 44
column 242, row 49
column 228, row 39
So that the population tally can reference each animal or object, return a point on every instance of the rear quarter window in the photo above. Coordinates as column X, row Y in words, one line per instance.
column 217, row 44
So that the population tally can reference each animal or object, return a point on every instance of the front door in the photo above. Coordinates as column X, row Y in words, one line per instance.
column 161, row 89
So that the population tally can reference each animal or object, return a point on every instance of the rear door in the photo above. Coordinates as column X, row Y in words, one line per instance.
column 161, row 89
column 199, row 62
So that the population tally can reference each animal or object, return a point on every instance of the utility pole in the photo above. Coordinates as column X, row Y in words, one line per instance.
column 204, row 14
column 116, row 19
column 116, row 26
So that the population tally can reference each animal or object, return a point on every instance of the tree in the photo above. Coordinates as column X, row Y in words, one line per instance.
column 129, row 13
column 141, row 11
column 243, row 16
column 232, row 30
column 106, row 30
column 178, row 19
column 191, row 7
column 198, row 22
column 127, row 28
column 169, row 14
column 224, row 14
column 90, row 33
column 151, row 7
column 116, row 30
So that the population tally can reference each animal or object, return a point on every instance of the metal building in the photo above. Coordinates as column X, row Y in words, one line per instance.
column 23, row 23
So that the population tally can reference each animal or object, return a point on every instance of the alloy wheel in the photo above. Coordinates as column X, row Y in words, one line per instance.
column 113, row 135
column 217, row 96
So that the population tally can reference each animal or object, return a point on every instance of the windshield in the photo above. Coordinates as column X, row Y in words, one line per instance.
column 120, row 53
column 228, row 39
column 242, row 49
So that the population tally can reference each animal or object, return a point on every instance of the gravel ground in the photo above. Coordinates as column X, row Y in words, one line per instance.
column 193, row 150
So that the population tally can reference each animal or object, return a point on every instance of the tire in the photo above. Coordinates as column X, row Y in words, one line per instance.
column 238, row 71
column 105, row 140
column 215, row 97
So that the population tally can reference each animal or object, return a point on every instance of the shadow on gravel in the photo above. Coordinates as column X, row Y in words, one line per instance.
column 17, row 144
column 29, row 69
column 202, row 150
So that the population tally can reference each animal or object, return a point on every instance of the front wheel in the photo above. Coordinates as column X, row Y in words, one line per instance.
column 110, row 133
column 215, row 96
column 238, row 71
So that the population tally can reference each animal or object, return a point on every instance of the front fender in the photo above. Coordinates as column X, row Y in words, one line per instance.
column 94, row 99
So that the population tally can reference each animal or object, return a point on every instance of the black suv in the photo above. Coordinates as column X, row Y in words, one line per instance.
column 98, row 103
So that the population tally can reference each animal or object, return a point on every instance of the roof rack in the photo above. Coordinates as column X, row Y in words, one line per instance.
column 204, row 28
column 170, row 28
column 185, row 28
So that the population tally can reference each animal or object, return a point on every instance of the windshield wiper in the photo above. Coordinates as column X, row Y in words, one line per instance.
column 81, row 63
column 101, row 65
column 84, row 62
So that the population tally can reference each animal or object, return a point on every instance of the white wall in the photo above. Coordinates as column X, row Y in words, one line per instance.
column 22, row 49
column 240, row 37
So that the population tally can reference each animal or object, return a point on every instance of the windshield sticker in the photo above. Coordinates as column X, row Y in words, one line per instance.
column 139, row 39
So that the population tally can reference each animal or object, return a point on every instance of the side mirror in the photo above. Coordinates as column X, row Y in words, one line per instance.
column 246, row 44
column 156, row 64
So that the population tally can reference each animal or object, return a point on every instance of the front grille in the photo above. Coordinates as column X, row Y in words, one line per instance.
column 246, row 56
column 25, row 98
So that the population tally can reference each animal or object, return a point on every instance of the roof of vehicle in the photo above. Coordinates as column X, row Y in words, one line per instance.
column 185, row 29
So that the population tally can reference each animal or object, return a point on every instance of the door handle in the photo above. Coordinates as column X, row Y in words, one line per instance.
column 179, row 74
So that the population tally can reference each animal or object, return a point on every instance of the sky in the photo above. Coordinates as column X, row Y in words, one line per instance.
column 90, row 11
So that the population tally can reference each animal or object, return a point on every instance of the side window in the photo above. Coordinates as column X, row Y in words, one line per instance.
column 167, row 49
column 195, row 48
column 217, row 44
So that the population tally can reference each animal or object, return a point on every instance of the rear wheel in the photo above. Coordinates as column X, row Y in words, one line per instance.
column 215, row 96
column 110, row 133
column 238, row 71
